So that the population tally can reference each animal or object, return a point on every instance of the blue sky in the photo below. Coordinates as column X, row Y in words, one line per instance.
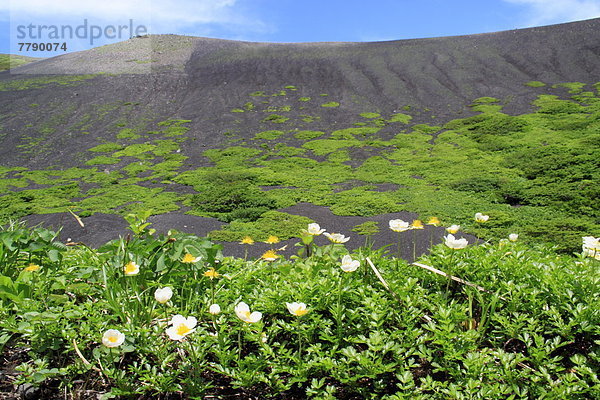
column 279, row 20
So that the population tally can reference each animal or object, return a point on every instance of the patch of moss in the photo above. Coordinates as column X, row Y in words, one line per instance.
column 535, row 84
column 485, row 100
column 283, row 225
column 40, row 82
column 276, row 119
column 308, row 135
column 309, row 118
column 331, row 104
column 321, row 147
column 125, row 199
column 103, row 160
column 573, row 87
column 174, row 127
column 237, row 110
column 137, row 150
column 232, row 156
column 304, row 99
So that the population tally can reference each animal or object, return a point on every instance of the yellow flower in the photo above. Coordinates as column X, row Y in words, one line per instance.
column 131, row 268
column 113, row 338
column 453, row 229
column 297, row 309
column 417, row 224
column 32, row 268
column 243, row 312
column 181, row 327
column 272, row 239
column 433, row 221
column 270, row 255
column 247, row 240
column 189, row 259
column 211, row 273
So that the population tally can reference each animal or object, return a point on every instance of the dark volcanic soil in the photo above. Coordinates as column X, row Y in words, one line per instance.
column 101, row 228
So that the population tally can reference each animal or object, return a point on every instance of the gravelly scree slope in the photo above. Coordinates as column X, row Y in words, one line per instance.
column 201, row 79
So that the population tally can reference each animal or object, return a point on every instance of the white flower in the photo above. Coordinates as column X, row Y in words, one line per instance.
column 113, row 338
column 479, row 217
column 513, row 237
column 181, row 327
column 454, row 243
column 314, row 229
column 453, row 229
column 591, row 247
column 163, row 295
column 336, row 237
column 397, row 225
column 243, row 312
column 297, row 309
column 214, row 309
column 348, row 264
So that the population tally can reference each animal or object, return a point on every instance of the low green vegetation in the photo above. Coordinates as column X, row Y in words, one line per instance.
column 21, row 83
column 533, row 173
column 535, row 84
column 8, row 61
column 152, row 316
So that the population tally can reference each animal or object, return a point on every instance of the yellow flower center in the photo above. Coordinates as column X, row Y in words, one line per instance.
column 32, row 267
column 270, row 255
column 300, row 312
column 130, row 268
column 211, row 273
column 272, row 240
column 434, row 221
column 247, row 240
column 182, row 330
column 113, row 339
column 417, row 224
column 188, row 259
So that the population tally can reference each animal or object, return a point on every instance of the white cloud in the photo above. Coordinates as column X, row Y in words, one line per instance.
column 544, row 12
column 165, row 16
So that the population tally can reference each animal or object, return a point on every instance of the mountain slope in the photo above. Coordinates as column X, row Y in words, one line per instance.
column 144, row 123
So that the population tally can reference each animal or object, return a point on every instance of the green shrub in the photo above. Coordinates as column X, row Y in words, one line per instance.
column 226, row 195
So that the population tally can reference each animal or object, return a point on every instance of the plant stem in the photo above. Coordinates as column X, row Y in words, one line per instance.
column 449, row 272
column 339, row 310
